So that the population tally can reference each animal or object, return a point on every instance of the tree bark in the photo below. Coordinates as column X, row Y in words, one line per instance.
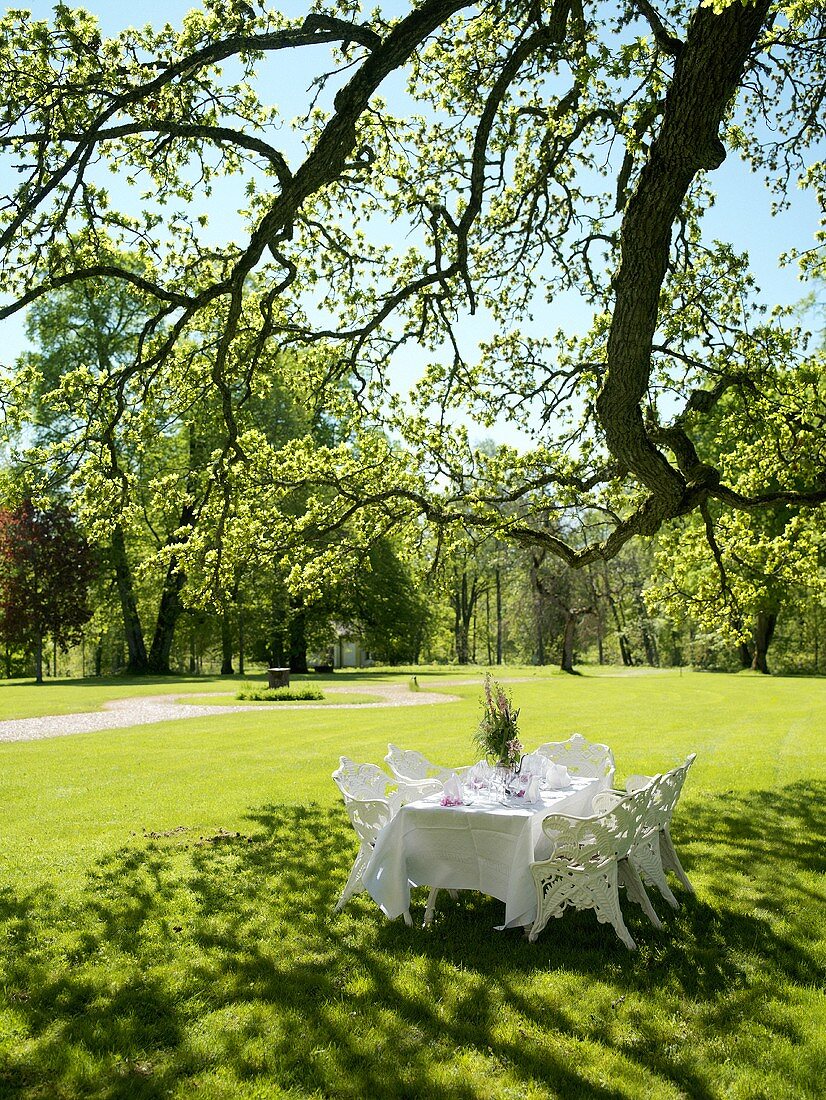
column 487, row 626
column 763, row 633
column 226, row 643
column 568, row 636
column 463, row 598
column 137, row 661
column 707, row 73
column 498, row 616
column 598, row 612
column 649, row 642
column 298, row 640
column 538, row 606
column 626, row 654
column 169, row 611
column 38, row 659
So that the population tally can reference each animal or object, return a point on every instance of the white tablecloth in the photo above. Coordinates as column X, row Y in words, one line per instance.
column 485, row 846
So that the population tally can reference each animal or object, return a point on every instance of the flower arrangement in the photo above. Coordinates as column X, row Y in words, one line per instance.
column 498, row 733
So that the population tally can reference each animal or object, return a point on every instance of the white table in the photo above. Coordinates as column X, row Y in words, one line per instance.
column 486, row 846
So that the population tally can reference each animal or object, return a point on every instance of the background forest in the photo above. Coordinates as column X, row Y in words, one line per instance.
column 82, row 595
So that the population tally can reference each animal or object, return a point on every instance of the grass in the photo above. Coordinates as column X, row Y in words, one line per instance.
column 166, row 899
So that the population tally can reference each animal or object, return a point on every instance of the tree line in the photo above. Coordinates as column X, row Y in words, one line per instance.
column 113, row 583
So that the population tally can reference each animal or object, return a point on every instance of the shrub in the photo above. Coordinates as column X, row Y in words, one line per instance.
column 281, row 695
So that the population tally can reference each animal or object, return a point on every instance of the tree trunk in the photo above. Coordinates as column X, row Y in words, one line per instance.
column 568, row 635
column 745, row 654
column 464, row 603
column 298, row 640
column 626, row 655
column 38, row 659
column 707, row 72
column 241, row 639
column 487, row 626
column 498, row 616
column 763, row 632
column 226, row 643
column 649, row 642
column 169, row 611
column 137, row 662
column 538, row 608
column 460, row 635
column 598, row 612
column 193, row 648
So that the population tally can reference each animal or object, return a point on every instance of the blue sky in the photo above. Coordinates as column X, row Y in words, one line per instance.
column 741, row 215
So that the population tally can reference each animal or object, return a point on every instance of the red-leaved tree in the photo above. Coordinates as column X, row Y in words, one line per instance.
column 46, row 566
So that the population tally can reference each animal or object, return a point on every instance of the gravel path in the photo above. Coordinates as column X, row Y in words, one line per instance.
column 146, row 709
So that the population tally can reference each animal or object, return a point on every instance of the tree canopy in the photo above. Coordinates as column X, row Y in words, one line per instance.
column 450, row 159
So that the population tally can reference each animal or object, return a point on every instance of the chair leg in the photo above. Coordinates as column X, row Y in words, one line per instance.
column 629, row 878
column 647, row 860
column 670, row 860
column 353, row 884
column 605, row 903
column 431, row 905
column 582, row 892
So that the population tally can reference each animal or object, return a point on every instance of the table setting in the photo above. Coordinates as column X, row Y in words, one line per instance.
column 482, row 828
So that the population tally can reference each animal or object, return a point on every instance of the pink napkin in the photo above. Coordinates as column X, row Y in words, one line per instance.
column 452, row 793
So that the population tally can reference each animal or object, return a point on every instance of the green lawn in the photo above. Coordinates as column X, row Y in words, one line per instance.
column 167, row 891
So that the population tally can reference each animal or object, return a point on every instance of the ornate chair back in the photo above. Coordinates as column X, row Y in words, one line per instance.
column 582, row 757
column 629, row 816
column 368, row 816
column 361, row 780
column 665, row 793
column 582, row 842
column 408, row 764
column 656, row 854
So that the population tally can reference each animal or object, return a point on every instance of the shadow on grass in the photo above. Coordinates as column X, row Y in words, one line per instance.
column 215, row 964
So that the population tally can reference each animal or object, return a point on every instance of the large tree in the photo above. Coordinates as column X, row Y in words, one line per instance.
column 550, row 146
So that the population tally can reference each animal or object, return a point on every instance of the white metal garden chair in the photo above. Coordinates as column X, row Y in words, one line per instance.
column 371, row 799
column 368, row 816
column 582, row 757
column 409, row 765
column 655, row 854
column 634, row 827
column 588, row 863
column 361, row 781
column 370, row 781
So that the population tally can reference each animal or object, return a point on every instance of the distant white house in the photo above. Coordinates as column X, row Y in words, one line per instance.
column 346, row 651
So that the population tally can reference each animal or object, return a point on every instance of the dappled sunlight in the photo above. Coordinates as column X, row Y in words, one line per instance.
column 190, row 956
